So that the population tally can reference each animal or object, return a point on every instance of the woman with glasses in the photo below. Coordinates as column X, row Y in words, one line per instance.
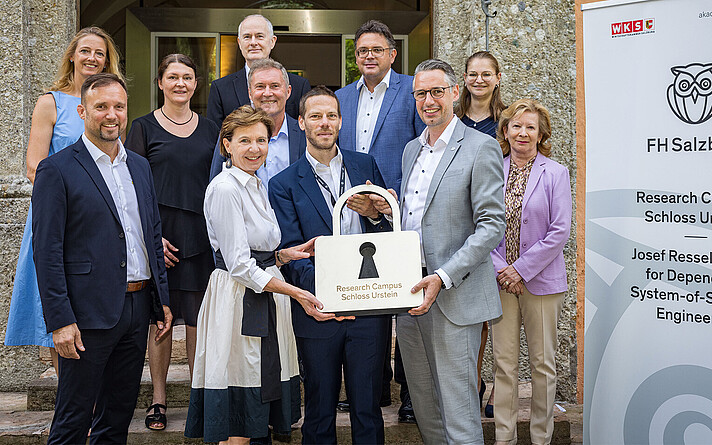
column 479, row 107
column 481, row 104
column 530, row 269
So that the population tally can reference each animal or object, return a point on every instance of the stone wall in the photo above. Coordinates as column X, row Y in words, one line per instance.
column 33, row 35
column 534, row 42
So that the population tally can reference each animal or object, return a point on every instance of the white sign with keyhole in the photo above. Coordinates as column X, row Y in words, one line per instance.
column 368, row 273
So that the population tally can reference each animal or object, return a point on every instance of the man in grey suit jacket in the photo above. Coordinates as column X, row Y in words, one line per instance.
column 452, row 195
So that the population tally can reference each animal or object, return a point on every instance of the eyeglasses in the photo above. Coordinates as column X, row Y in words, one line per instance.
column 435, row 93
column 486, row 76
column 377, row 52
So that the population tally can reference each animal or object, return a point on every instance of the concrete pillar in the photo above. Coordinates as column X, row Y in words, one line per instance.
column 33, row 36
column 534, row 42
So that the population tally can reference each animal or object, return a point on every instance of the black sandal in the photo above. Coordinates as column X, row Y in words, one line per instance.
column 157, row 417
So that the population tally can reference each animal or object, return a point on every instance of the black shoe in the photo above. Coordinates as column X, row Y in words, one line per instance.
column 482, row 390
column 489, row 411
column 261, row 440
column 343, row 406
column 405, row 412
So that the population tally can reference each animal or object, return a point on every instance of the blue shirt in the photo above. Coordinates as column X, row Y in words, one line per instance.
column 277, row 156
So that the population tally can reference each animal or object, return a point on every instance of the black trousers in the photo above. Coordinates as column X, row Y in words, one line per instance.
column 100, row 389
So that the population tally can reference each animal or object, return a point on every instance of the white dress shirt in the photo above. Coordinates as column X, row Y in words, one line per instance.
column 277, row 156
column 369, row 105
column 418, row 184
column 120, row 184
column 331, row 174
column 239, row 218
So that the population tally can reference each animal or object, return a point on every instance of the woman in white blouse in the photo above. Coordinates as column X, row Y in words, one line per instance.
column 246, row 375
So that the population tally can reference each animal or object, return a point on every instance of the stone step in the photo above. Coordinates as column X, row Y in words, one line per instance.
column 18, row 426
column 41, row 392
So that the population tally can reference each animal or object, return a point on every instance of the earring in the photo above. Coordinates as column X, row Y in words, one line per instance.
column 228, row 163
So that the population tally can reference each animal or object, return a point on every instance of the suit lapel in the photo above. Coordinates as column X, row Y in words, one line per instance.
column 139, row 185
column 240, row 85
column 388, row 100
column 312, row 190
column 295, row 133
column 350, row 111
column 356, row 177
column 450, row 151
column 537, row 170
column 410, row 154
column 87, row 162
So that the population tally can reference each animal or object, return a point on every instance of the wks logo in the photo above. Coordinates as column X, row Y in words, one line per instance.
column 632, row 27
column 690, row 95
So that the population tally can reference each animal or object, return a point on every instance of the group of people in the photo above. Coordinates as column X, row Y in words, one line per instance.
column 210, row 221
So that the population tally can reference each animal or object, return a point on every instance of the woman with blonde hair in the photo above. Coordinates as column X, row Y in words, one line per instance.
column 55, row 125
column 530, row 269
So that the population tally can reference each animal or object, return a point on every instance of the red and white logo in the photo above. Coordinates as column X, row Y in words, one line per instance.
column 632, row 27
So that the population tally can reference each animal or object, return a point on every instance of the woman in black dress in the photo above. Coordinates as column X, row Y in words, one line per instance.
column 178, row 144
column 480, row 106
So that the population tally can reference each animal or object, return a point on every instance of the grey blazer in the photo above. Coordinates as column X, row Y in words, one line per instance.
column 463, row 222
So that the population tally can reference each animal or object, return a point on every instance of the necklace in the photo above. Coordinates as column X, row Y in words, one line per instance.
column 177, row 123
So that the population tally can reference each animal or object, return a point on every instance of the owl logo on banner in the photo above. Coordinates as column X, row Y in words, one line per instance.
column 690, row 95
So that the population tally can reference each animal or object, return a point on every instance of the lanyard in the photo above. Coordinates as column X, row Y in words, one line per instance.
column 325, row 186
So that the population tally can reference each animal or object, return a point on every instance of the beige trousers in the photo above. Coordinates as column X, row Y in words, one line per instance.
column 539, row 313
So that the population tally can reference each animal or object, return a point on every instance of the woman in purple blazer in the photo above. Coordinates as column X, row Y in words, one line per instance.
column 530, row 269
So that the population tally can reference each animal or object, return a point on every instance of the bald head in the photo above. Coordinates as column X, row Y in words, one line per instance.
column 256, row 38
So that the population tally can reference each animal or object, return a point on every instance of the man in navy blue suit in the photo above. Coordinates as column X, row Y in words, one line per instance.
column 303, row 197
column 256, row 39
column 380, row 119
column 270, row 90
column 99, row 257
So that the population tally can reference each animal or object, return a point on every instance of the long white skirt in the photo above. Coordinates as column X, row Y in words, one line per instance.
column 226, row 374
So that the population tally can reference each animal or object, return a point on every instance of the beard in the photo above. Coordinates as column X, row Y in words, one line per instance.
column 321, row 143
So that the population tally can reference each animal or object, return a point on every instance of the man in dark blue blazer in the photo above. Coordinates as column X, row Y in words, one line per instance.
column 255, row 37
column 380, row 119
column 270, row 90
column 99, row 257
column 302, row 197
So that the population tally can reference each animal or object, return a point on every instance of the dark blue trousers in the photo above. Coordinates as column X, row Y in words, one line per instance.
column 360, row 345
column 100, row 389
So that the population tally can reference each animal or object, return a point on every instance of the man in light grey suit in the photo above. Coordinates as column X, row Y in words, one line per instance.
column 451, row 195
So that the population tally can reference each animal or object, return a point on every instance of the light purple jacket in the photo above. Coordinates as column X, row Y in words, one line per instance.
column 545, row 228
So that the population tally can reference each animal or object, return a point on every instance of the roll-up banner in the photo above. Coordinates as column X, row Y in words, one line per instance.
column 648, row 300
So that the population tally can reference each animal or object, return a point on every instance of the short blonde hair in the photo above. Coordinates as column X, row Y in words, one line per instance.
column 65, row 76
column 517, row 109
column 245, row 116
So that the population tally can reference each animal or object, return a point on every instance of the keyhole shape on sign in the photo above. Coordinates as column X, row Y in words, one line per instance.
column 368, row 266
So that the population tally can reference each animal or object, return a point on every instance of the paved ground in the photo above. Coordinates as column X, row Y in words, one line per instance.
column 19, row 426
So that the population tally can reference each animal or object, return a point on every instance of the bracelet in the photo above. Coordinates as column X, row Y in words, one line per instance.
column 279, row 257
